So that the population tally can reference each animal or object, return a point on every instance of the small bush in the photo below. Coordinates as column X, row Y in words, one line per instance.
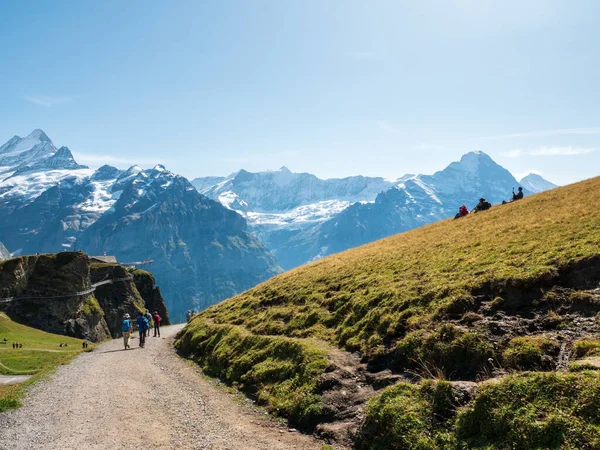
column 530, row 353
column 449, row 350
column 581, row 298
column 586, row 347
column 534, row 411
column 470, row 318
column 409, row 417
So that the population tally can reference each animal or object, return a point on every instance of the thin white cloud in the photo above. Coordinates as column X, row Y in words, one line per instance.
column 549, row 151
column 92, row 159
column 545, row 133
column 48, row 100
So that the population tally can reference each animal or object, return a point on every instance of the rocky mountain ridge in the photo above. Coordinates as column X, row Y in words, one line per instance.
column 201, row 250
column 301, row 218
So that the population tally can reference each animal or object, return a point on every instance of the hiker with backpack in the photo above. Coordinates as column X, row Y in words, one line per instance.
column 142, row 323
column 126, row 328
column 157, row 320
column 150, row 320
column 462, row 212
column 483, row 205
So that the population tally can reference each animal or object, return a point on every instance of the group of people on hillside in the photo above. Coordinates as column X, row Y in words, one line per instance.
column 143, row 323
column 484, row 204
column 190, row 313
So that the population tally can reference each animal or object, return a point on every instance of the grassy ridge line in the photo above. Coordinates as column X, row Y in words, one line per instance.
column 40, row 362
column 367, row 297
column 279, row 372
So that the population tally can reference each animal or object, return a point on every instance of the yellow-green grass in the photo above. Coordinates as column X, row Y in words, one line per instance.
column 392, row 299
column 526, row 411
column 365, row 297
column 40, row 354
column 280, row 372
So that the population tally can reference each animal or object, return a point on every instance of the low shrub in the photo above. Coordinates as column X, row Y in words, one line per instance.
column 407, row 416
column 449, row 351
column 530, row 353
column 586, row 347
column 533, row 411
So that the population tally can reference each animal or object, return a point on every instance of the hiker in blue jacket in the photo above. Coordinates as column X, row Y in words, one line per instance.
column 142, row 324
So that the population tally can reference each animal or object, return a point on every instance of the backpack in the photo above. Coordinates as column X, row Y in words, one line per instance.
column 126, row 325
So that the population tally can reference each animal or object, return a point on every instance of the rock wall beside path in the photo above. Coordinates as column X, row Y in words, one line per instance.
column 55, row 293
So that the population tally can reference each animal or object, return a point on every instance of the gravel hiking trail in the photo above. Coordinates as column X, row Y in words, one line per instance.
column 140, row 398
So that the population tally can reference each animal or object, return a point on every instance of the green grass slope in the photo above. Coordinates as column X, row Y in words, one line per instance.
column 41, row 353
column 503, row 291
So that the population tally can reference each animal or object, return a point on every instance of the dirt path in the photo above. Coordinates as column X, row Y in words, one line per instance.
column 140, row 398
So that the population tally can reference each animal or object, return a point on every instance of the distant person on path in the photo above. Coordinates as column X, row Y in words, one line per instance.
column 157, row 320
column 126, row 328
column 188, row 316
column 462, row 212
column 142, row 323
column 483, row 205
column 149, row 318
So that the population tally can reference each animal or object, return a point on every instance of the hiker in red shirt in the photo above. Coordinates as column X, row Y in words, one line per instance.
column 157, row 320
column 462, row 212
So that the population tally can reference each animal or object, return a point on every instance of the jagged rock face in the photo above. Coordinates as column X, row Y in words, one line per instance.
column 94, row 316
column 45, row 276
column 146, row 286
column 116, row 299
column 202, row 252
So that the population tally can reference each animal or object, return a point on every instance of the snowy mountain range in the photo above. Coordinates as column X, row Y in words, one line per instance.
column 301, row 218
column 202, row 251
column 217, row 237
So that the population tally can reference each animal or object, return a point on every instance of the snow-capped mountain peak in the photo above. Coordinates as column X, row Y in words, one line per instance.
column 39, row 135
column 536, row 183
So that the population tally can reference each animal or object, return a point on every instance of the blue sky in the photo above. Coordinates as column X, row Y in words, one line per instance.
column 335, row 88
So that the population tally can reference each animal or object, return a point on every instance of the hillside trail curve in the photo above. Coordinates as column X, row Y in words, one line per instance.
column 140, row 398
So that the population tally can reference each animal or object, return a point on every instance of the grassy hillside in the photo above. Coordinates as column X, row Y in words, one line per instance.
column 506, row 290
column 40, row 354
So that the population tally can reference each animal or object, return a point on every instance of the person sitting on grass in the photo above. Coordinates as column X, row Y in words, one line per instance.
column 515, row 197
column 483, row 205
column 462, row 212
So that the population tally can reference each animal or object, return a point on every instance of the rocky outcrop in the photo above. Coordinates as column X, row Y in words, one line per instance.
column 117, row 298
column 56, row 293
column 53, row 293
column 146, row 286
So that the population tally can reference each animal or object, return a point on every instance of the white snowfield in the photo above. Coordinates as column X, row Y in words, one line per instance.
column 32, row 165
column 282, row 199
